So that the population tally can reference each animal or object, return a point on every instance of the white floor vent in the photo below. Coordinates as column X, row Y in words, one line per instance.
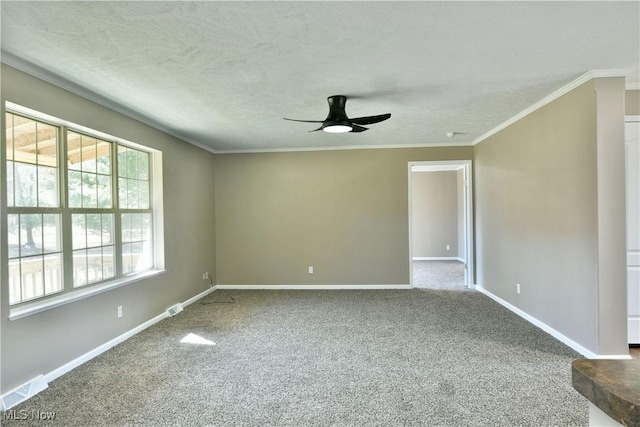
column 174, row 309
column 24, row 392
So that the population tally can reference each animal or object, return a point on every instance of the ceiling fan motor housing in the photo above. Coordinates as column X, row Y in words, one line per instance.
column 337, row 115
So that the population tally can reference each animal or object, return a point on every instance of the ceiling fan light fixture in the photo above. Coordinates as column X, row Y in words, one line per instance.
column 337, row 128
column 337, row 120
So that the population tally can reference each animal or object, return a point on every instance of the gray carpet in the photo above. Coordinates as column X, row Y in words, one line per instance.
column 316, row 358
column 439, row 275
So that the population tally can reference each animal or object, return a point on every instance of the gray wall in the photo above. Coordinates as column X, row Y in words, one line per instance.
column 434, row 204
column 43, row 342
column 345, row 212
column 547, row 211
column 632, row 103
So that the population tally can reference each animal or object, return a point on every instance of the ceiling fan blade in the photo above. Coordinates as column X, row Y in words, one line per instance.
column 304, row 121
column 369, row 120
column 356, row 128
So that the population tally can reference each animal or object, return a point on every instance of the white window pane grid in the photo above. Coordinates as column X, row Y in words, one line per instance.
column 133, row 178
column 136, row 242
column 93, row 248
column 89, row 171
column 32, row 163
column 35, row 258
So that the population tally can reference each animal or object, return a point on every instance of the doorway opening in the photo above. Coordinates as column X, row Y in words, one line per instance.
column 440, row 225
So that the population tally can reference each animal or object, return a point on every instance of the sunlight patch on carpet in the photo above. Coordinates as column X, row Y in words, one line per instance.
column 196, row 339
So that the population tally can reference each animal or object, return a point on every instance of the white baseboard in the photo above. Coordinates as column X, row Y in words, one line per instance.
column 548, row 329
column 437, row 258
column 102, row 348
column 34, row 386
column 311, row 287
column 633, row 329
column 199, row 296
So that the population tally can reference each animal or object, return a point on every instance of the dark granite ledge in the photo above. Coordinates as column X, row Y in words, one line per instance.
column 611, row 385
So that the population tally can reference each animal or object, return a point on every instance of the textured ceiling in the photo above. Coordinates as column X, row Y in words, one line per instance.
column 223, row 74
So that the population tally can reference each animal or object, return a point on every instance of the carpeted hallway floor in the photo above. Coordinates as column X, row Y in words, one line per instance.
column 316, row 358
column 439, row 275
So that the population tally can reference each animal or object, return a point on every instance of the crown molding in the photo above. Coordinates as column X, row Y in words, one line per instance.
column 553, row 96
column 342, row 147
column 70, row 86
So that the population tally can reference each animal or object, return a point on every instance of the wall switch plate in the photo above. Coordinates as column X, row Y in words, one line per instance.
column 119, row 311
column 311, row 269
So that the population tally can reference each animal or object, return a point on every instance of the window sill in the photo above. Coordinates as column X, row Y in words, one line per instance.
column 39, row 306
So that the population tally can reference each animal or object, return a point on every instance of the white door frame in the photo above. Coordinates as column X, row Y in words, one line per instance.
column 448, row 165
column 632, row 132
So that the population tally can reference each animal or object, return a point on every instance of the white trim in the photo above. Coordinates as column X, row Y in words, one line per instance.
column 552, row 97
column 199, row 296
column 157, row 209
column 631, row 119
column 615, row 72
column 551, row 331
column 632, row 86
column 44, row 304
column 446, row 167
column 343, row 147
column 6, row 398
column 614, row 356
column 311, row 287
column 437, row 165
column 437, row 258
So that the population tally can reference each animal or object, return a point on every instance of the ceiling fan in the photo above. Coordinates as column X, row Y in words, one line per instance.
column 337, row 120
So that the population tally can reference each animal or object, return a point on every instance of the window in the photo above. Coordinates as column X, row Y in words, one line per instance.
column 80, row 208
column 35, row 257
column 133, row 184
column 33, row 224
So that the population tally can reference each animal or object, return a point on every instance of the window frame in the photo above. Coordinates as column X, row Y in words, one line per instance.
column 69, row 292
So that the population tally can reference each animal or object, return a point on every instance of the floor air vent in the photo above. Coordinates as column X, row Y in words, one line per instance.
column 174, row 309
column 23, row 392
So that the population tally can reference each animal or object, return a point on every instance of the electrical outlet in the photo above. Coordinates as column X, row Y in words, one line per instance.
column 448, row 247
column 311, row 269
column 205, row 276
column 119, row 311
column 518, row 288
